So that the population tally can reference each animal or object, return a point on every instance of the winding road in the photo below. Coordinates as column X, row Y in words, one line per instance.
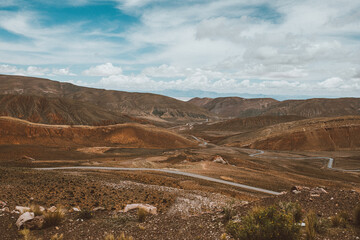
column 193, row 175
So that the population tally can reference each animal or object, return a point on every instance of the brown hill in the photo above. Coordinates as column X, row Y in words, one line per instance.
column 234, row 106
column 21, row 132
column 246, row 124
column 134, row 104
column 58, row 111
column 319, row 134
column 310, row 108
column 316, row 107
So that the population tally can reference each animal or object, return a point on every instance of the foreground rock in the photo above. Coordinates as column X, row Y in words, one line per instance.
column 25, row 217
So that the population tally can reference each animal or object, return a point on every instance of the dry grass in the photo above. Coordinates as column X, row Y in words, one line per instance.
column 121, row 237
column 53, row 218
column 141, row 215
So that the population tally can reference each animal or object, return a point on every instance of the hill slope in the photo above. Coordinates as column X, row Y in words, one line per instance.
column 15, row 131
column 246, row 124
column 310, row 108
column 319, row 134
column 234, row 106
column 58, row 111
column 135, row 104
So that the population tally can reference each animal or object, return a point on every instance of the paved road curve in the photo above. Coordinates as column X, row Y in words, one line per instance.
column 193, row 175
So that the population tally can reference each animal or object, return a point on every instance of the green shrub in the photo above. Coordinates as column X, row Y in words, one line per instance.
column 269, row 223
column 294, row 209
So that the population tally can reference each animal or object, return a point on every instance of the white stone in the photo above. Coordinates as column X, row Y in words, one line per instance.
column 24, row 218
column 22, row 209
column 148, row 208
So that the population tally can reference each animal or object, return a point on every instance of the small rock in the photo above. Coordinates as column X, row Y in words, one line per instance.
column 314, row 195
column 76, row 209
column 2, row 204
column 52, row 209
column 296, row 188
column 22, row 209
column 296, row 191
column 148, row 208
column 99, row 209
column 24, row 218
column 57, row 228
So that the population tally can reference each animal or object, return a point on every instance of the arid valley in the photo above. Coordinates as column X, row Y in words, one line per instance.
column 193, row 166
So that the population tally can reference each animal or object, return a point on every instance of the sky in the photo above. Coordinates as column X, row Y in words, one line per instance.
column 183, row 48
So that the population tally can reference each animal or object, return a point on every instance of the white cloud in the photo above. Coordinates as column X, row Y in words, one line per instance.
column 63, row 72
column 106, row 69
column 333, row 82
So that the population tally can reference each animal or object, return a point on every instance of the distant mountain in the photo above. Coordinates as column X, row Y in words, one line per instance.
column 59, row 111
column 234, row 106
column 144, row 105
column 317, row 134
column 310, row 108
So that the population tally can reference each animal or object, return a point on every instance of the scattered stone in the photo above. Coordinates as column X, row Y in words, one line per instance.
column 76, row 209
column 318, row 190
column 36, row 223
column 148, row 208
column 22, row 209
column 26, row 158
column 296, row 191
column 99, row 209
column 57, row 228
column 314, row 195
column 2, row 204
column 52, row 209
column 296, row 188
column 24, row 218
column 219, row 159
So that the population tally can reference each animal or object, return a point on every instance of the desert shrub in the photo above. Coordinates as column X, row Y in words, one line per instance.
column 57, row 237
column 36, row 210
column 229, row 213
column 339, row 220
column 121, row 237
column 357, row 216
column 53, row 218
column 294, row 209
column 27, row 235
column 269, row 223
column 141, row 214
column 314, row 225
column 85, row 214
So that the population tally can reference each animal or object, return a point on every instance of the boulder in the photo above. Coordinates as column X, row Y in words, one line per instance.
column 22, row 209
column 36, row 223
column 146, row 207
column 25, row 217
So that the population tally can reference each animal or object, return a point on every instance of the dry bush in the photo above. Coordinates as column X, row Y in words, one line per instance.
column 357, row 216
column 121, row 237
column 310, row 225
column 294, row 209
column 36, row 210
column 27, row 235
column 57, row 237
column 141, row 214
column 53, row 218
column 339, row 220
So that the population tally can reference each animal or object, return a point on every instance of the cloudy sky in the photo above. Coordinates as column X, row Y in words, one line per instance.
column 308, row 48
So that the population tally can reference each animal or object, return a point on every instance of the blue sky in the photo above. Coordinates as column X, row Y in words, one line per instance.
column 275, row 48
